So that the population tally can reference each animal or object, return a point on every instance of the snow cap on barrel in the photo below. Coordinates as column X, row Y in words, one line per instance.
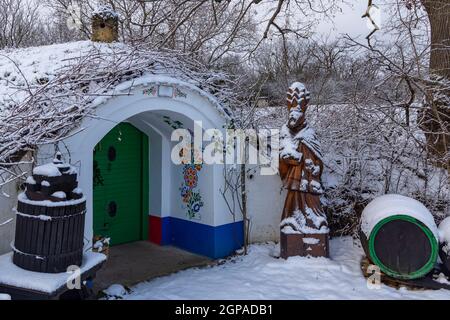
column 394, row 204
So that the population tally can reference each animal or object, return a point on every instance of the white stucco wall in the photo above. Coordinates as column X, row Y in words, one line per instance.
column 8, row 201
column 6, row 213
column 265, row 201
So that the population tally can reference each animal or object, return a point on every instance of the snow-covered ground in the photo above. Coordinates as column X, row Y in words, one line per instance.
column 261, row 276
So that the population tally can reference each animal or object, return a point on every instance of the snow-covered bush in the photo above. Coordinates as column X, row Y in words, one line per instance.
column 444, row 232
column 369, row 153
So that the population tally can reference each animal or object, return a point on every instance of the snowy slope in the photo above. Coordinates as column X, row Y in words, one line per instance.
column 261, row 276
column 24, row 70
column 21, row 68
column 45, row 92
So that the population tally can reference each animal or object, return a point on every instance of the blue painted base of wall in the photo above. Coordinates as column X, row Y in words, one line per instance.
column 214, row 242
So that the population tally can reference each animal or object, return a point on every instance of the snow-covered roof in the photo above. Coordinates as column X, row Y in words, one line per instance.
column 45, row 91
column 35, row 65
column 106, row 12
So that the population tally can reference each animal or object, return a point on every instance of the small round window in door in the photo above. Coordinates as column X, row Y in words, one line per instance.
column 112, row 209
column 112, row 153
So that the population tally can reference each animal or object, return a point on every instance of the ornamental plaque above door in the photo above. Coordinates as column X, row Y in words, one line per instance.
column 164, row 90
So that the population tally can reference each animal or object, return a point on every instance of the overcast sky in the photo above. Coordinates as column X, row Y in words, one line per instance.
column 349, row 21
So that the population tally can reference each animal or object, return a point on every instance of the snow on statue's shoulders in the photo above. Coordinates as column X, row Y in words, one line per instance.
column 394, row 204
column 307, row 133
column 289, row 142
column 288, row 145
column 308, row 136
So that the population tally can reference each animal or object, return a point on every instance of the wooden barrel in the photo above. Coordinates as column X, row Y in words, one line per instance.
column 49, row 236
column 401, row 245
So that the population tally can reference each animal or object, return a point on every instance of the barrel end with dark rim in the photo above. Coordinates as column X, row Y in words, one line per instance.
column 403, row 247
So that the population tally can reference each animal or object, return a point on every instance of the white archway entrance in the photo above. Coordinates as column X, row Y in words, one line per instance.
column 152, row 108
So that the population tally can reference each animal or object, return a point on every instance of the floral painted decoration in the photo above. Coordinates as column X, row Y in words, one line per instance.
column 151, row 91
column 190, row 196
column 178, row 93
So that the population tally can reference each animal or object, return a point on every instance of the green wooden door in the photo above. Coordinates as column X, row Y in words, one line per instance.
column 120, row 170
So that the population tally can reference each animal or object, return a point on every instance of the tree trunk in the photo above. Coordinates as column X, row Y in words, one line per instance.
column 436, row 120
column 439, row 16
column 244, row 208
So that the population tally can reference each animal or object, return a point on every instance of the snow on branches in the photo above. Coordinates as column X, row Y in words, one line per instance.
column 45, row 92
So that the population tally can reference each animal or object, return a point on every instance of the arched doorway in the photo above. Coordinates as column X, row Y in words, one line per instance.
column 147, row 107
column 120, row 185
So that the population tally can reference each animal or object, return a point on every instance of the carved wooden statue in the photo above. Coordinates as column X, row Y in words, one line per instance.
column 304, row 228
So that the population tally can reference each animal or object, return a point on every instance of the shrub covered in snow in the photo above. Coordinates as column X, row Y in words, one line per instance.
column 444, row 231
column 368, row 153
